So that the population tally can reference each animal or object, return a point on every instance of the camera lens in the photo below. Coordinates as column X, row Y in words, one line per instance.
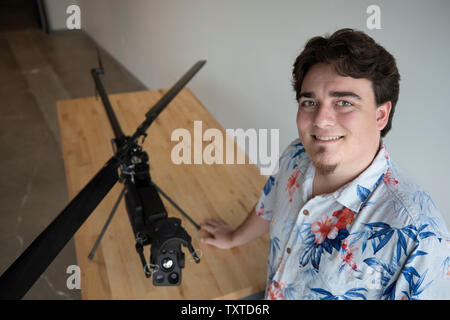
column 173, row 278
column 159, row 278
column 167, row 264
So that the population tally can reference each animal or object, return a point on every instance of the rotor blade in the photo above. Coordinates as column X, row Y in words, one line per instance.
column 99, row 58
column 118, row 133
column 23, row 273
column 176, row 88
column 167, row 98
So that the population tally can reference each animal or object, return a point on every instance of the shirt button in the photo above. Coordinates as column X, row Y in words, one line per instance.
column 288, row 250
column 306, row 212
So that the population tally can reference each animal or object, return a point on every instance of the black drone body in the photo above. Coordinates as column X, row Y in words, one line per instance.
column 148, row 217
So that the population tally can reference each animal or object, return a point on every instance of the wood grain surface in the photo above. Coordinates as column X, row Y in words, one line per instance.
column 227, row 191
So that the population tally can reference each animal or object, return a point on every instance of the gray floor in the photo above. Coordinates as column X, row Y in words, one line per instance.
column 36, row 70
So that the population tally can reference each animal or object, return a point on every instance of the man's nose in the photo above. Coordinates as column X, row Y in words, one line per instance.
column 325, row 116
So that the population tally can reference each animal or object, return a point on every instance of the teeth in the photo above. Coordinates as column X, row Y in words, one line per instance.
column 327, row 138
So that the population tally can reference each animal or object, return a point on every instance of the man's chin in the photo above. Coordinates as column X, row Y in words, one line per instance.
column 322, row 159
column 324, row 168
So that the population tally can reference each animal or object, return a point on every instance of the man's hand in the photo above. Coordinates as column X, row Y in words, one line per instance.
column 223, row 236
column 221, row 233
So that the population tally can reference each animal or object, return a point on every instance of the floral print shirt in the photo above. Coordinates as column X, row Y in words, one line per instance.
column 378, row 237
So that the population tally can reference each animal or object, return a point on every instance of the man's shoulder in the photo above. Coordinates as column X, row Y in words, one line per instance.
column 294, row 150
column 413, row 200
column 296, row 144
column 293, row 158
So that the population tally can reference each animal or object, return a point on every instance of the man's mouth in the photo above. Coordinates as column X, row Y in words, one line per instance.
column 327, row 138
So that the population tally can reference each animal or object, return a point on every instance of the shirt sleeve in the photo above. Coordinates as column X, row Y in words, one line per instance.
column 267, row 200
column 426, row 274
column 264, row 208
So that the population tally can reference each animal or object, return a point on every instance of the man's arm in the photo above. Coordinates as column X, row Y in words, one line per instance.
column 425, row 276
column 223, row 236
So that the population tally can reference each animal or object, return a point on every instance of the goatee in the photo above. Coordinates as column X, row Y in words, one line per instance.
column 324, row 169
column 321, row 168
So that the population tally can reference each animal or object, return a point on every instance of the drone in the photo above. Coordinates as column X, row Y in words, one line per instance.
column 148, row 217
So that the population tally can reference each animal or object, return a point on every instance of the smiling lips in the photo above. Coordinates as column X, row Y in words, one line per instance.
column 327, row 139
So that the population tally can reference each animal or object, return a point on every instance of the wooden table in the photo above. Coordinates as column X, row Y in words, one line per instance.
column 221, row 191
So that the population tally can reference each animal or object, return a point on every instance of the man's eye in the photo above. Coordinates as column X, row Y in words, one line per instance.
column 344, row 103
column 308, row 103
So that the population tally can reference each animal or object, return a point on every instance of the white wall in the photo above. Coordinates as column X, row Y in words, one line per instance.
column 250, row 46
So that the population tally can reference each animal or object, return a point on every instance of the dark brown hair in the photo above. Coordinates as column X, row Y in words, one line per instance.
column 352, row 53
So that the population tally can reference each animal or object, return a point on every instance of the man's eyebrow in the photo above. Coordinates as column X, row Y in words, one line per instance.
column 307, row 95
column 334, row 94
column 340, row 94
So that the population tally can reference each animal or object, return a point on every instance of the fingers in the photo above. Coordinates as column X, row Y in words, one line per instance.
column 207, row 240
column 218, row 231
column 209, row 228
column 211, row 225
column 215, row 242
column 214, row 222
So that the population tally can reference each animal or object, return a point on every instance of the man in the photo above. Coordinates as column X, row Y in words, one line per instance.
column 345, row 222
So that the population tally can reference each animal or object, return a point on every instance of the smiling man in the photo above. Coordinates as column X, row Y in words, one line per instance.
column 345, row 222
column 339, row 125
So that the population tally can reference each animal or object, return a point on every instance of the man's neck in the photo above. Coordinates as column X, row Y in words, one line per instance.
column 330, row 183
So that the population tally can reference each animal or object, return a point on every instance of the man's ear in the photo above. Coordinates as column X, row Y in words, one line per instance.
column 382, row 114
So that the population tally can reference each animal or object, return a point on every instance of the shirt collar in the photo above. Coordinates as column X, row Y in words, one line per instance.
column 354, row 195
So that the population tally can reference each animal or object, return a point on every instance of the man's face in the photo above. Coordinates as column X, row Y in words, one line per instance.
column 338, row 121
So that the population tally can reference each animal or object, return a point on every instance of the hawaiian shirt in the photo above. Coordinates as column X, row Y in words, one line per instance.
column 378, row 237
